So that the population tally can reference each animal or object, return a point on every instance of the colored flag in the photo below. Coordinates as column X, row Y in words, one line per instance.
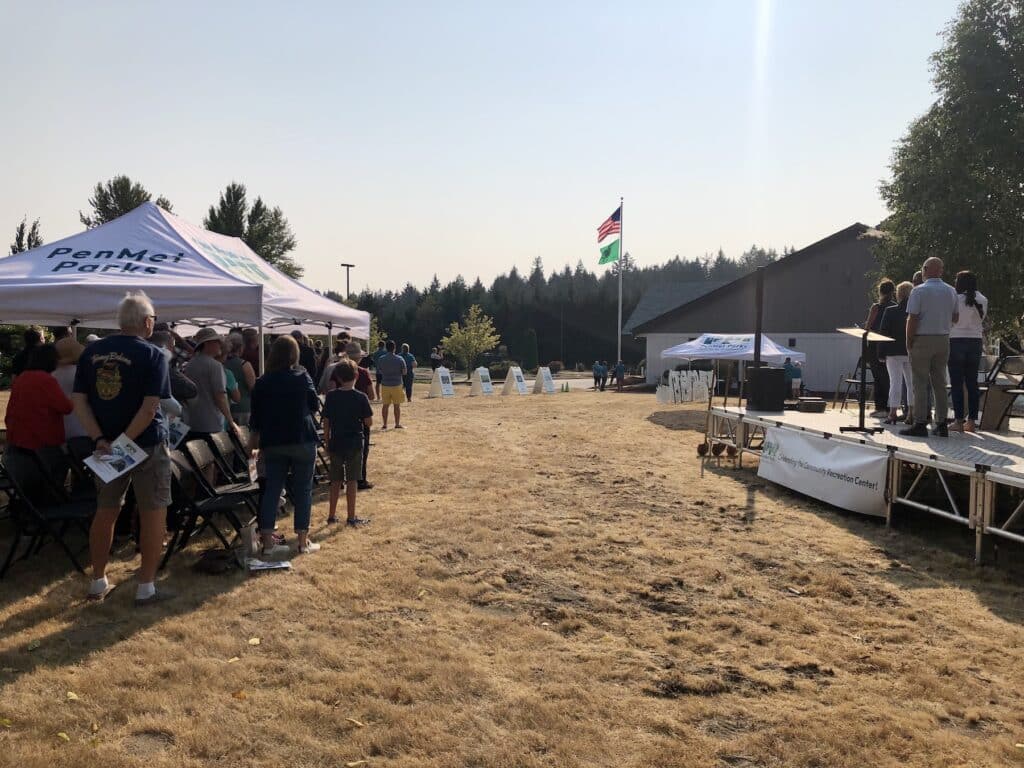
column 610, row 252
column 611, row 226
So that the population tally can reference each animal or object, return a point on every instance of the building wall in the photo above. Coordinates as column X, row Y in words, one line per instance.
column 828, row 289
column 829, row 355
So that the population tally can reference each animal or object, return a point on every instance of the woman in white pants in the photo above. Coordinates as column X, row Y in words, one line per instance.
column 897, row 361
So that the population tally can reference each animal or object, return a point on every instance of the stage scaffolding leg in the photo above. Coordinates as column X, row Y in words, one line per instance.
column 979, row 494
column 895, row 470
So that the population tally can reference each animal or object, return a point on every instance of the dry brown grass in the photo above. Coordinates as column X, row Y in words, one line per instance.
column 547, row 581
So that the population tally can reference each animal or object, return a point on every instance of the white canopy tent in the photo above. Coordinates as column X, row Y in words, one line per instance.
column 194, row 278
column 719, row 346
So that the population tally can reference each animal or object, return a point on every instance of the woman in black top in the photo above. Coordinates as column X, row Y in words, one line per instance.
column 897, row 362
column 283, row 433
column 886, row 290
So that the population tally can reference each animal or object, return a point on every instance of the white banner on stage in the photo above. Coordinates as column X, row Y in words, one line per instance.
column 844, row 474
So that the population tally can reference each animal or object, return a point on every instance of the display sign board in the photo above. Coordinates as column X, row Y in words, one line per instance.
column 481, row 383
column 544, row 384
column 515, row 384
column 837, row 472
column 689, row 386
column 441, row 383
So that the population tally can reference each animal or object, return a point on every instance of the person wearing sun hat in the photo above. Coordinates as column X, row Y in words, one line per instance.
column 68, row 352
column 208, row 412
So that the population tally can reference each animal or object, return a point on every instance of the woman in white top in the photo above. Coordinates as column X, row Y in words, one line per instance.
column 965, row 349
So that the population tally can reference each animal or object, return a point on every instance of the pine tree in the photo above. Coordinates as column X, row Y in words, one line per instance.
column 264, row 229
column 26, row 237
column 117, row 197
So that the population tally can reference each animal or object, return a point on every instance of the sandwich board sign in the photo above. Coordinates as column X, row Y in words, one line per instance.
column 544, row 384
column 515, row 384
column 481, row 383
column 441, row 384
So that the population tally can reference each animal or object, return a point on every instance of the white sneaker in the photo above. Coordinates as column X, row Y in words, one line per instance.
column 311, row 546
column 275, row 552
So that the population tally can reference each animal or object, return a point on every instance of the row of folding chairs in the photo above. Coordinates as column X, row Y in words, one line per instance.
column 44, row 507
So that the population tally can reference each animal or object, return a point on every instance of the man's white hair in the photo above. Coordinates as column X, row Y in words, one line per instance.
column 133, row 310
column 235, row 343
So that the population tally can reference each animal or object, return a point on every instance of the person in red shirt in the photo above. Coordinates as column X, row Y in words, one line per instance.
column 35, row 413
column 364, row 384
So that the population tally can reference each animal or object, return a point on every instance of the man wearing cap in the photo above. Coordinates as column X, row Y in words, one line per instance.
column 208, row 411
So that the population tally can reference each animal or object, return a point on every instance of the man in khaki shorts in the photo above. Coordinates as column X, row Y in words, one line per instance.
column 391, row 370
column 118, row 386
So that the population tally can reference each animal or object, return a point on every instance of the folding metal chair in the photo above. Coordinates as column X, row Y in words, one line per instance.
column 188, row 515
column 201, row 456
column 1002, row 388
column 229, row 458
column 40, row 512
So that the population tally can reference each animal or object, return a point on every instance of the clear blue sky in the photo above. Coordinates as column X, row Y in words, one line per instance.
column 415, row 138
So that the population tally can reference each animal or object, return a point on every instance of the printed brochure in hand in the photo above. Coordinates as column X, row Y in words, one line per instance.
column 124, row 456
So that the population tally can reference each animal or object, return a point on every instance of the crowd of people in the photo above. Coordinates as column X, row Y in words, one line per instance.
column 134, row 381
column 937, row 331
column 602, row 372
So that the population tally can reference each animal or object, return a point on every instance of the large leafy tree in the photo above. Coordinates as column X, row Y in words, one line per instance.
column 470, row 339
column 116, row 198
column 957, row 186
column 26, row 237
column 264, row 229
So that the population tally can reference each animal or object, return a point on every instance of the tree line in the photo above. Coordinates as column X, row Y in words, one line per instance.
column 567, row 315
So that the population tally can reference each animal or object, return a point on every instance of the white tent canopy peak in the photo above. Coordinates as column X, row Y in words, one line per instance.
column 193, row 276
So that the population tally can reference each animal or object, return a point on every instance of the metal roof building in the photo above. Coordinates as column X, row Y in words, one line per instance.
column 808, row 294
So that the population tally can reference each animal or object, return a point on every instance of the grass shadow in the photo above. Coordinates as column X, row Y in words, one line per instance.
column 679, row 420
column 923, row 550
column 53, row 592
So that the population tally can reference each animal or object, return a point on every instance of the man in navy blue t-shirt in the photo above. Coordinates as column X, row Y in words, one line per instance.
column 119, row 383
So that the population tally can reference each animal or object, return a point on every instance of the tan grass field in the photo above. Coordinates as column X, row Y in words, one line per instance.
column 547, row 581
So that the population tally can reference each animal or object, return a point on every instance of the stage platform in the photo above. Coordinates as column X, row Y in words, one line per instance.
column 980, row 475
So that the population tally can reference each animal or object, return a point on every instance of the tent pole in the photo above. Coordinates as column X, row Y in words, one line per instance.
column 263, row 365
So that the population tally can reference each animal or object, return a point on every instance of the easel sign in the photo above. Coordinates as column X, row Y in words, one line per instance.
column 515, row 384
column 481, row 383
column 544, row 384
column 441, row 384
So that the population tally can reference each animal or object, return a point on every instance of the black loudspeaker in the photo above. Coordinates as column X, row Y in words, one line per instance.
column 766, row 389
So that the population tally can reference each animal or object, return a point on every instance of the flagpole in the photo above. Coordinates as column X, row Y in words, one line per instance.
column 622, row 256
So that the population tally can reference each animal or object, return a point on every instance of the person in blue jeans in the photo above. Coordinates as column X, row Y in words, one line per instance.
column 283, row 402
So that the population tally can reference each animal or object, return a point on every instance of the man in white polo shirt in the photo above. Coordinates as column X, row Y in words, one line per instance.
column 931, row 312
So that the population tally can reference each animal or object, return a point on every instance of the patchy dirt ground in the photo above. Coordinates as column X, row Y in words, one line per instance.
column 546, row 581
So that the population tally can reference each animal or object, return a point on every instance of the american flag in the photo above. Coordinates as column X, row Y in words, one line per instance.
column 611, row 226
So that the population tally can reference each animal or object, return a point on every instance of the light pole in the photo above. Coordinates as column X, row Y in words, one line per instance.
column 348, row 268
